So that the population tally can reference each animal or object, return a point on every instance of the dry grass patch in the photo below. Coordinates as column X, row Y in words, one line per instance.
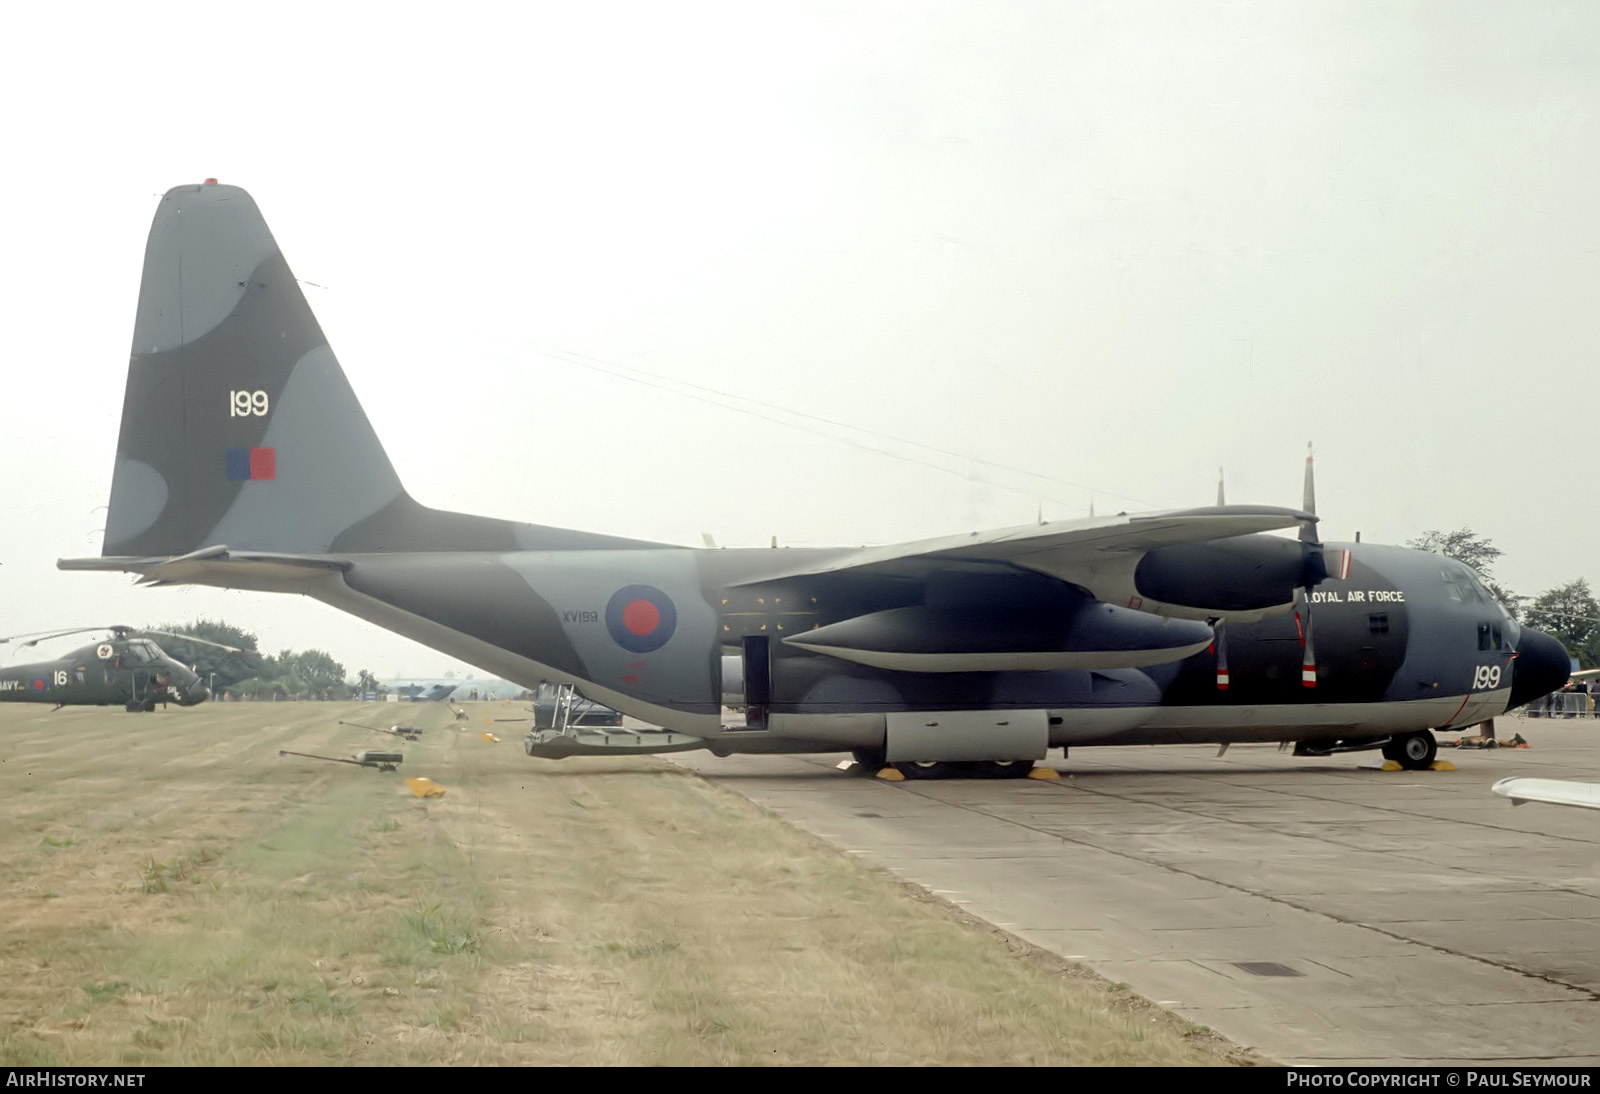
column 212, row 903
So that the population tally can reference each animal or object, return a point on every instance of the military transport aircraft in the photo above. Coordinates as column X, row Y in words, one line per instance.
column 245, row 461
column 122, row 669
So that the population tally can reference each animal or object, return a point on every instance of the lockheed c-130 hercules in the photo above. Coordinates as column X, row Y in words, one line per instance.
column 125, row 668
column 245, row 461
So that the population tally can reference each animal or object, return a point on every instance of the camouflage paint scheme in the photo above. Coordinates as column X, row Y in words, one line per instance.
column 134, row 673
column 245, row 461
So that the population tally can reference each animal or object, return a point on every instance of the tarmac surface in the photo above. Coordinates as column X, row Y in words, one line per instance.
column 1318, row 911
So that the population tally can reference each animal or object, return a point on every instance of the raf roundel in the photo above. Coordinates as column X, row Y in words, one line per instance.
column 640, row 618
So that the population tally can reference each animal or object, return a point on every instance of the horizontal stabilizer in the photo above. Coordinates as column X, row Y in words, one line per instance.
column 1551, row 791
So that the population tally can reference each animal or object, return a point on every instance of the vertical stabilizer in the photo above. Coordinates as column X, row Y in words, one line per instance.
column 239, row 428
column 237, row 420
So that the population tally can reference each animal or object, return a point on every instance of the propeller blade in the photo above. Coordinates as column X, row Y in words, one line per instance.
column 1221, row 645
column 1308, row 658
column 1221, row 498
column 1308, row 502
column 1337, row 563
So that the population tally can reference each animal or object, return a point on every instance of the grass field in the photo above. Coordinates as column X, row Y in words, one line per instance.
column 176, row 893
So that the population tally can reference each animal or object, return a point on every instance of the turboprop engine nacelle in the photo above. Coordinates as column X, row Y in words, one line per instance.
column 1241, row 574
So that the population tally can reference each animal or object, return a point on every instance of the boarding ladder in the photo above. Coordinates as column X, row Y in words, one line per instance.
column 566, row 738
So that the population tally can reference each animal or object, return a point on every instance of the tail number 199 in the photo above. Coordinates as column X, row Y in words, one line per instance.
column 244, row 404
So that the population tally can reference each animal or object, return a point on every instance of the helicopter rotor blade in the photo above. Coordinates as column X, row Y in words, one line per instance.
column 201, row 641
column 35, row 637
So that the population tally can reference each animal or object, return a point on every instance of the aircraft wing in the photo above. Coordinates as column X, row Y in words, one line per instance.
column 1553, row 791
column 1097, row 554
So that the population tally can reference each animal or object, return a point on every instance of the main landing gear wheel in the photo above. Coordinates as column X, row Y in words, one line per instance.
column 134, row 706
column 1003, row 769
column 868, row 757
column 1413, row 751
column 930, row 769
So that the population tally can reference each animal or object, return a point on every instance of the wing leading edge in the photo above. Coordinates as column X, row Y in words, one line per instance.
column 1098, row 555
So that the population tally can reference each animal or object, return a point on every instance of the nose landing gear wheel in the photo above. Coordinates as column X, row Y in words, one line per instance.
column 1413, row 751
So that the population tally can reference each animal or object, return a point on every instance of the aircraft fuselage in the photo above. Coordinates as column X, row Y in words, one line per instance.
column 1404, row 641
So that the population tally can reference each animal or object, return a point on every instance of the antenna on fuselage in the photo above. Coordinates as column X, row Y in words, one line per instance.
column 1221, row 496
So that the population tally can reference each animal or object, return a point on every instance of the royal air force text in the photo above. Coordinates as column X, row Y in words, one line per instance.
column 1357, row 596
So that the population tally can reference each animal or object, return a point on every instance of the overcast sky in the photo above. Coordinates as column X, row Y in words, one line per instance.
column 1116, row 245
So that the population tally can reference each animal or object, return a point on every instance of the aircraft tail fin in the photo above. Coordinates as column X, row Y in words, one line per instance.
column 238, row 425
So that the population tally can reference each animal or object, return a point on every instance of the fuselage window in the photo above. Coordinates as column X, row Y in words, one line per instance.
column 1379, row 623
column 1484, row 636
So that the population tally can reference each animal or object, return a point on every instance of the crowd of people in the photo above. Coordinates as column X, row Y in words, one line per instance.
column 1573, row 701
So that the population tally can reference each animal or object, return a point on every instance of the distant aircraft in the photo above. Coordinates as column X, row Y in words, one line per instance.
column 245, row 461
column 422, row 691
column 134, row 672
column 1552, row 791
column 429, row 688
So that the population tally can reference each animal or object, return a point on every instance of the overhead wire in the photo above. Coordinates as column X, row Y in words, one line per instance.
column 711, row 396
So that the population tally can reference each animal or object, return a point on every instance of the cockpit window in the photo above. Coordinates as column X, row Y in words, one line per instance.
column 1462, row 586
column 142, row 653
column 1490, row 637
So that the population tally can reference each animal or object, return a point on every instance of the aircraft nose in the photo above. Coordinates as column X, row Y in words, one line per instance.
column 1542, row 666
column 199, row 693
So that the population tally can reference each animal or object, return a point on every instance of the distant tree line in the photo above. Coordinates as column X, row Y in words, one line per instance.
column 288, row 674
column 1568, row 612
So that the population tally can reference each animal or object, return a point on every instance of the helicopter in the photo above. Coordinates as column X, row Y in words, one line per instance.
column 123, row 669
